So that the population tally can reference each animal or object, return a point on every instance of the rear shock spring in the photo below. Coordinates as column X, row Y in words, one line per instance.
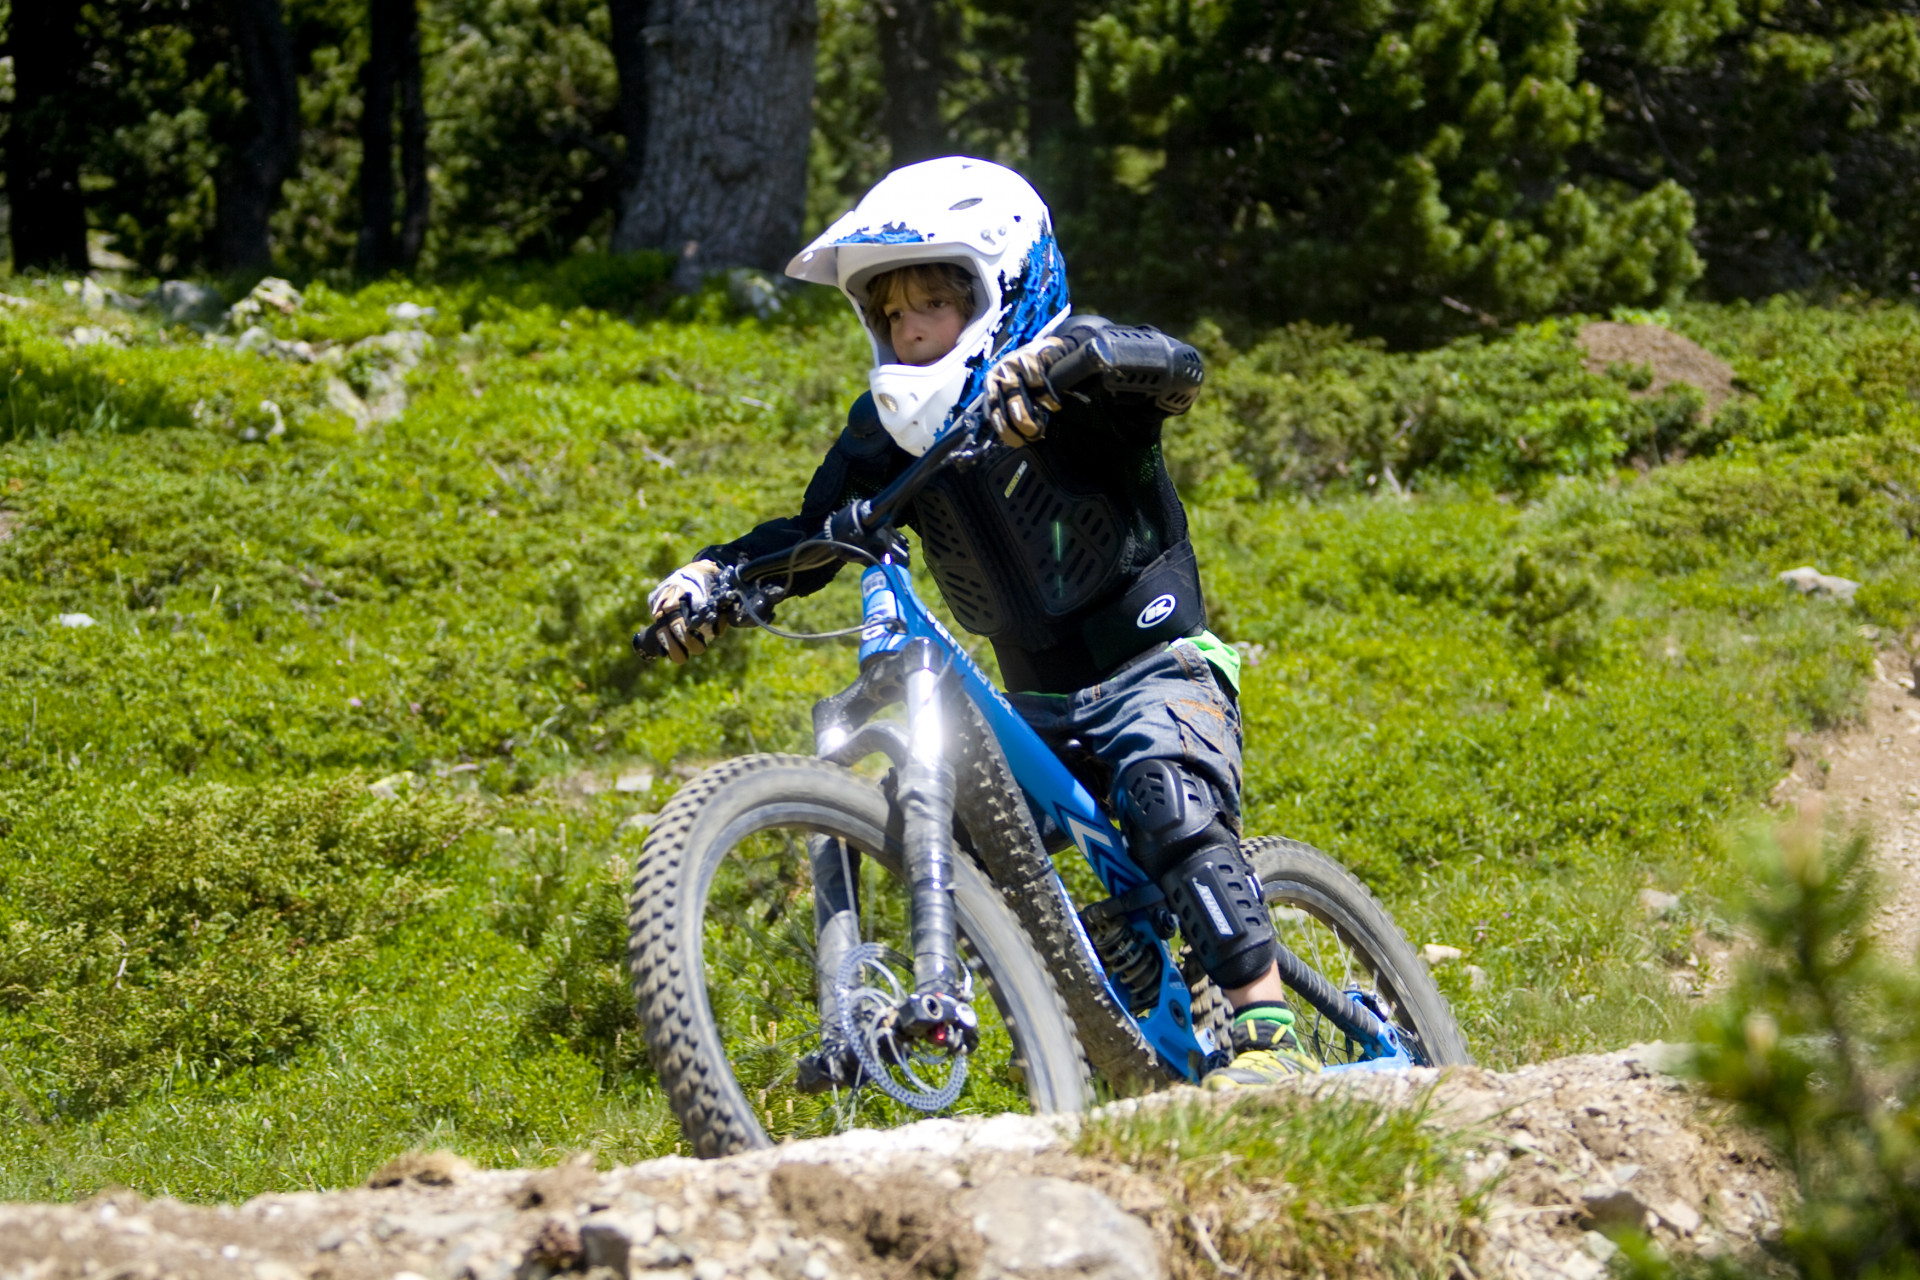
column 1133, row 965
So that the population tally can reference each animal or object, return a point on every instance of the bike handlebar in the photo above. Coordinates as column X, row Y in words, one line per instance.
column 866, row 522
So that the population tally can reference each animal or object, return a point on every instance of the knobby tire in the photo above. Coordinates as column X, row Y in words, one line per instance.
column 692, row 837
column 1299, row 876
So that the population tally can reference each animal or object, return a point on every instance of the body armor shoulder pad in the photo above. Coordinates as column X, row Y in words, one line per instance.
column 864, row 436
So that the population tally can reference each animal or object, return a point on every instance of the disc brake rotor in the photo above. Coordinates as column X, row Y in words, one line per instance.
column 866, row 1020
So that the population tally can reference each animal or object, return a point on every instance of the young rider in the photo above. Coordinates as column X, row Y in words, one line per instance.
column 1068, row 550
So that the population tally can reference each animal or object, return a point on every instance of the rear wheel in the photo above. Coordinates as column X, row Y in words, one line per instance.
column 1331, row 921
column 723, row 959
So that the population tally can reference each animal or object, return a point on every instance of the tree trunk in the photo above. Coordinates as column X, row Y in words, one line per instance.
column 723, row 180
column 413, row 134
column 1053, row 56
column 374, row 253
column 247, row 184
column 43, row 141
column 627, row 39
column 911, row 63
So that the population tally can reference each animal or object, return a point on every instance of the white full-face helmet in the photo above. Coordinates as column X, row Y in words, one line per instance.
column 973, row 213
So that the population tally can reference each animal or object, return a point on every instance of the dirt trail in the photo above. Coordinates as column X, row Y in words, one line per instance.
column 1871, row 775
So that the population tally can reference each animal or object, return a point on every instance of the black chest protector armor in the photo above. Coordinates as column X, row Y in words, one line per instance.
column 1071, row 554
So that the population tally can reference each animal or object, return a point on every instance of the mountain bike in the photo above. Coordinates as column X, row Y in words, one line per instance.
column 810, row 936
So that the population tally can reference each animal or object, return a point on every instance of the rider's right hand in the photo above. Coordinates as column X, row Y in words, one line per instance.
column 1019, row 394
column 683, row 602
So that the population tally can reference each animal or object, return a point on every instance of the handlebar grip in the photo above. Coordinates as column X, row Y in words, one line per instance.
column 1083, row 362
column 648, row 644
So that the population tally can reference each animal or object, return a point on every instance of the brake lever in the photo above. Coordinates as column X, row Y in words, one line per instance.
column 725, row 602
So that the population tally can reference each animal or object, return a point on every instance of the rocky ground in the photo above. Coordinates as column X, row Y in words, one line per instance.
column 1568, row 1147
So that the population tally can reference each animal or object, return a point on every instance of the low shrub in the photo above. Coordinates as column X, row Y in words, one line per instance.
column 200, row 929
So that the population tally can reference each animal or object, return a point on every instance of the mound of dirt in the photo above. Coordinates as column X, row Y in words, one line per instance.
column 1671, row 357
column 1565, row 1147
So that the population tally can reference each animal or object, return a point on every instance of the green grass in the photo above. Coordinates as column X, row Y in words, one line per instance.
column 1290, row 1184
column 1508, row 701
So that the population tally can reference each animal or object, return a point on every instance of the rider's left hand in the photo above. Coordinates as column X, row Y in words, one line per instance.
column 1017, row 387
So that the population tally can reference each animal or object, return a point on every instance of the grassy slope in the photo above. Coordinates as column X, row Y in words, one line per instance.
column 1508, row 701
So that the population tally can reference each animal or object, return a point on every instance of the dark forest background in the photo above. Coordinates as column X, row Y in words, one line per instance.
column 1414, row 169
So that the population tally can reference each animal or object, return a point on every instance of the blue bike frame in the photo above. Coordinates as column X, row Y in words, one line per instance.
column 892, row 616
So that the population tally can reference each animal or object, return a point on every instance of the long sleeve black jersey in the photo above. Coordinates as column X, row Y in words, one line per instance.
column 1070, row 554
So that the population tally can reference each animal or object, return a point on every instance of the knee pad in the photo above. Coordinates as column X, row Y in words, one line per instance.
column 1174, row 832
column 1221, row 914
column 1166, row 813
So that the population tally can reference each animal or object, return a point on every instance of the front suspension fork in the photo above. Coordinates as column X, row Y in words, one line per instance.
column 938, row 1009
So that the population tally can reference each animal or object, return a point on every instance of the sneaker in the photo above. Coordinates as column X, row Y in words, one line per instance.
column 1265, row 1050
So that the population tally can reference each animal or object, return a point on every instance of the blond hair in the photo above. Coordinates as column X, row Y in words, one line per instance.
column 934, row 281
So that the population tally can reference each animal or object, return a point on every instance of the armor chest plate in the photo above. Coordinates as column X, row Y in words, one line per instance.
column 1015, row 551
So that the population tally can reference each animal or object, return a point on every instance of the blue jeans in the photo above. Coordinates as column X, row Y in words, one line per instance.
column 1170, row 706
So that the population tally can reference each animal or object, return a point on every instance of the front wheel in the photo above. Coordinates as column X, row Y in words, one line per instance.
column 1331, row 921
column 723, row 959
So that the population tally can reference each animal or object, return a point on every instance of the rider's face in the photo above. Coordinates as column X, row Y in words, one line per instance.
column 922, row 329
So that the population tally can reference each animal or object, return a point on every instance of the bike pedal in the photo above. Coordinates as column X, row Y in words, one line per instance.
column 832, row 1066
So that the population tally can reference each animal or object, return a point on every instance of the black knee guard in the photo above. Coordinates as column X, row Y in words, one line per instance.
column 1174, row 832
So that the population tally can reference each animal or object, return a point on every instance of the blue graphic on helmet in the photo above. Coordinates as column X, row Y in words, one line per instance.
column 1026, row 305
column 891, row 233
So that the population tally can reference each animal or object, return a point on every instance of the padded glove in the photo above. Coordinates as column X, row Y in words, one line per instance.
column 683, row 597
column 1018, row 385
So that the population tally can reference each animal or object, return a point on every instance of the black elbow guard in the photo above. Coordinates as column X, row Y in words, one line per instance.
column 1141, row 363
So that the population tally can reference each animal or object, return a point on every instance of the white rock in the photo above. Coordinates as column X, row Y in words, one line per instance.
column 254, row 338
column 1810, row 581
column 1599, row 1246
column 74, row 620
column 1582, row 1266
column 1048, row 1227
column 412, row 311
column 1613, row 1206
column 641, row 781
column 1681, row 1216
column 342, row 396
column 1476, row 978
column 1656, row 1058
column 272, row 292
column 1656, row 904
column 755, row 292
column 182, row 302
column 1436, row 954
